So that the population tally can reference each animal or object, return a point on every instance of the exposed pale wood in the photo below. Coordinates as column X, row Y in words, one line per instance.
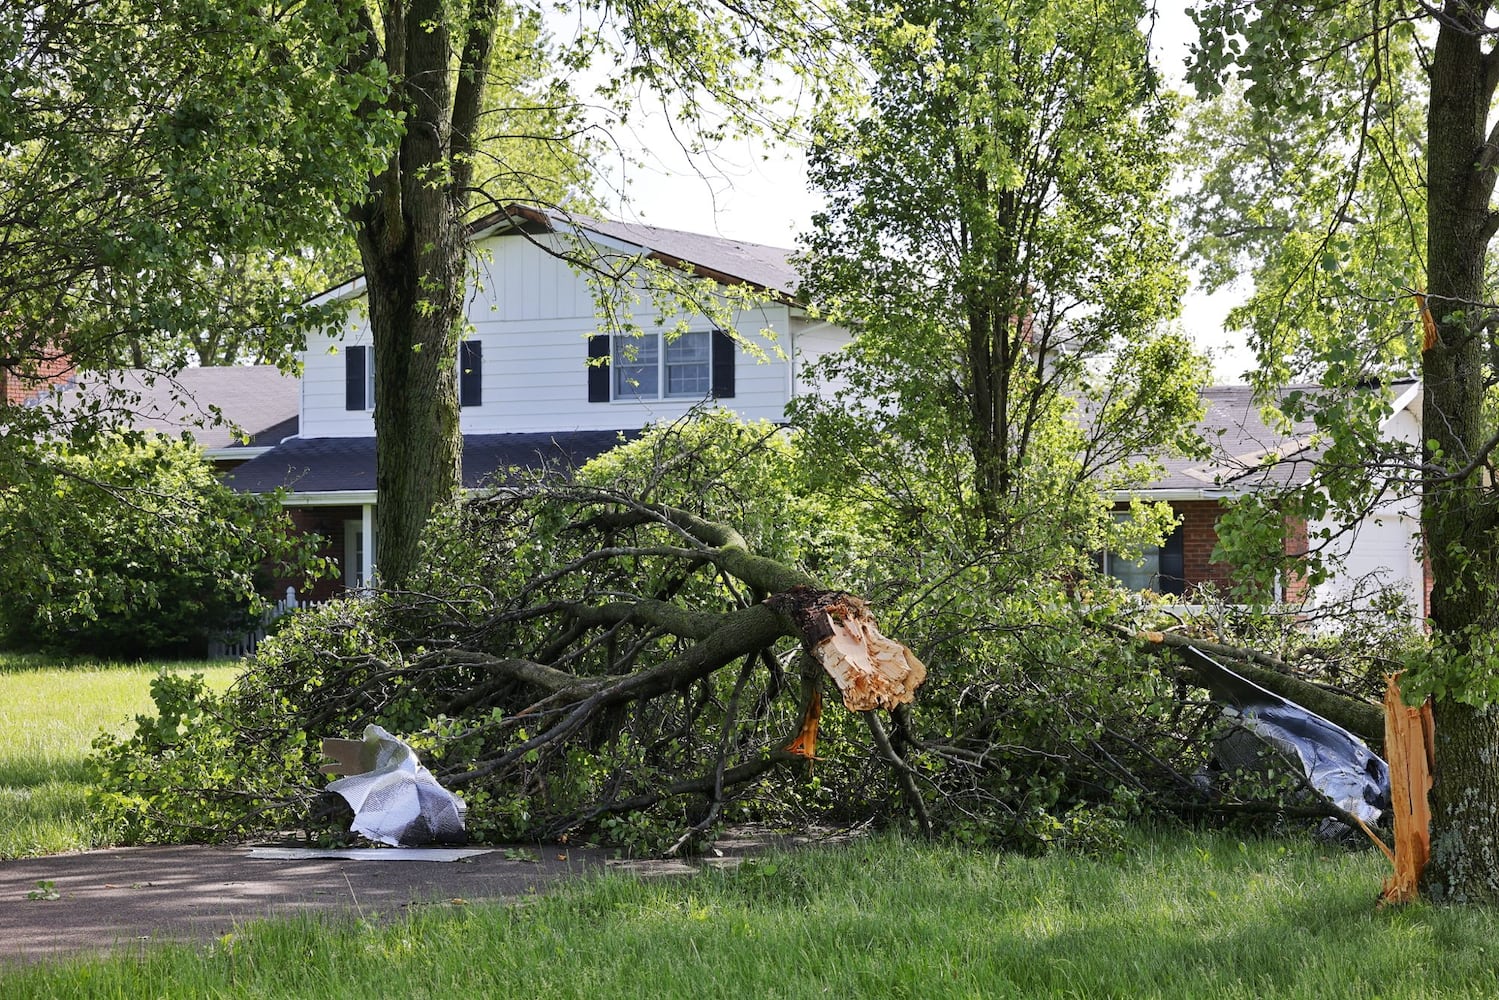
column 347, row 756
column 870, row 670
column 1409, row 750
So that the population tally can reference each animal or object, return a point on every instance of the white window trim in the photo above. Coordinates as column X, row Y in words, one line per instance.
column 618, row 364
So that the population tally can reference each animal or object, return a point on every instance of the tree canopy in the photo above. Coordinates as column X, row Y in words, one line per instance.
column 1386, row 218
column 996, row 236
column 161, row 163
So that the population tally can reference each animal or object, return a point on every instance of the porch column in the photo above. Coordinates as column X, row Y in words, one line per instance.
column 367, row 570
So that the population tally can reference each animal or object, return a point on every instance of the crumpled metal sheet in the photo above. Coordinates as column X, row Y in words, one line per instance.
column 1337, row 764
column 395, row 799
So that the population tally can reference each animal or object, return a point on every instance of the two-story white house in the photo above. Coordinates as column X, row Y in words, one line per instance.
column 558, row 362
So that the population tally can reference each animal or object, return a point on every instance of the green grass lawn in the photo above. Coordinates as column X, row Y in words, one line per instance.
column 49, row 714
column 1175, row 915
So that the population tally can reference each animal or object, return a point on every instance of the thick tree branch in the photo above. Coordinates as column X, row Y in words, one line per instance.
column 468, row 97
column 1358, row 717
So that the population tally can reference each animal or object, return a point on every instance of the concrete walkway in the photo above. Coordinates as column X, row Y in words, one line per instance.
column 123, row 899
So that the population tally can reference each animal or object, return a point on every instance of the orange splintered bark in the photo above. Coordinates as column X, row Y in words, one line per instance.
column 1430, row 337
column 1409, row 748
column 805, row 743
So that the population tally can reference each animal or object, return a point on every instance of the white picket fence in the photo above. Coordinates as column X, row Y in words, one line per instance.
column 235, row 646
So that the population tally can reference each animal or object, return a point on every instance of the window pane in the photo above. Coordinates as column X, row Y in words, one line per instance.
column 635, row 364
column 1141, row 574
column 687, row 371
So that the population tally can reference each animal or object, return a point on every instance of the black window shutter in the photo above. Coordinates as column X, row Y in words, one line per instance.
column 723, row 365
column 354, row 368
column 1172, row 576
column 598, row 374
column 471, row 373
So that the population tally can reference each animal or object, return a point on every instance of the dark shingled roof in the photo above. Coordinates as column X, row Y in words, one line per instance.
column 338, row 465
column 1248, row 452
column 258, row 399
column 727, row 260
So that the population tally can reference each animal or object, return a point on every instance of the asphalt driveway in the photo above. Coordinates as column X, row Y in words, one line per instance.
column 123, row 899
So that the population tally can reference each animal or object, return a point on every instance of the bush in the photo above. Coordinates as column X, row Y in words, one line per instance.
column 210, row 767
column 133, row 549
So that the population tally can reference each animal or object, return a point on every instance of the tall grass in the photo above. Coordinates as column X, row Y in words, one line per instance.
column 1176, row 915
column 49, row 716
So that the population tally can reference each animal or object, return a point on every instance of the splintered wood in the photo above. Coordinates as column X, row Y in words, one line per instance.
column 804, row 743
column 1410, row 750
column 870, row 670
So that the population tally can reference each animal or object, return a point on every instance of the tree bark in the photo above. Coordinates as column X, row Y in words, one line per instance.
column 418, row 454
column 1457, row 513
column 414, row 248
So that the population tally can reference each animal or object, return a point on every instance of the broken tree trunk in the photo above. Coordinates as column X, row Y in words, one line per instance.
column 1364, row 720
column 1410, row 751
column 870, row 670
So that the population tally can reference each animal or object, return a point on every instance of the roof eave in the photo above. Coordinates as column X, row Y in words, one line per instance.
column 505, row 219
column 330, row 498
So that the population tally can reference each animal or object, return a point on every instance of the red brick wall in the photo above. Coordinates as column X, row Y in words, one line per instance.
column 1293, row 586
column 18, row 389
column 1199, row 520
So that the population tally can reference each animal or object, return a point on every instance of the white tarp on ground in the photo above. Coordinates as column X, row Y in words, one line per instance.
column 395, row 799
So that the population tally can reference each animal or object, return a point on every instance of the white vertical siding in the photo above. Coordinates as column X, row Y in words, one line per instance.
column 323, row 413
column 534, row 315
column 1385, row 546
column 814, row 339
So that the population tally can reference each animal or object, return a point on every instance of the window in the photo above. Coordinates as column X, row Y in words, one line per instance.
column 359, row 378
column 689, row 366
column 1157, row 568
column 636, row 363
column 646, row 368
column 471, row 373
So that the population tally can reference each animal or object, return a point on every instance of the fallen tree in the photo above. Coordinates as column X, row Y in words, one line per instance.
column 605, row 650
column 639, row 660
column 1357, row 715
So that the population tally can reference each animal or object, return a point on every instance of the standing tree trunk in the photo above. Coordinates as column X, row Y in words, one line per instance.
column 418, row 460
column 1458, row 512
column 413, row 244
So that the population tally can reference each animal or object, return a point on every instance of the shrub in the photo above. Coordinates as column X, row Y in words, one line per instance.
column 134, row 548
column 210, row 767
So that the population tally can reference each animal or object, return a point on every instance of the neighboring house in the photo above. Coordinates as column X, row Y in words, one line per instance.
column 234, row 413
column 541, row 380
column 1250, row 457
